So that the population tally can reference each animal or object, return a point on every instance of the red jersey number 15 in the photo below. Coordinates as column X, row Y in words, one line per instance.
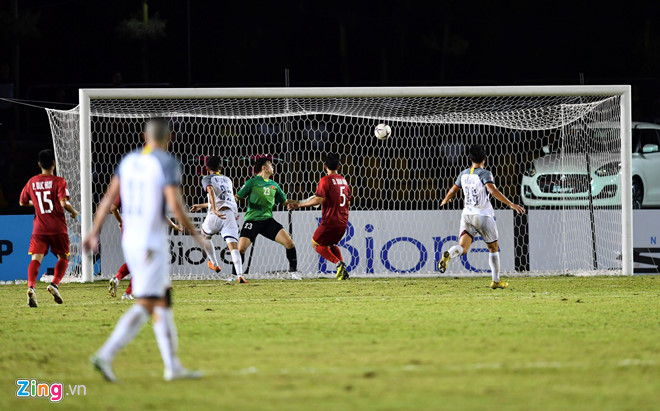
column 43, row 198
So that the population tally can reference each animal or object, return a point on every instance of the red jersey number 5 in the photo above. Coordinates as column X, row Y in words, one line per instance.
column 342, row 195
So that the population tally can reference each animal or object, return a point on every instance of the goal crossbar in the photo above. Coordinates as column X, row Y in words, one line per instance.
column 348, row 92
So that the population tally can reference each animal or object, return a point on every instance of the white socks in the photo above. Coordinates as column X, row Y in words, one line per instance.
column 494, row 263
column 455, row 251
column 166, row 337
column 126, row 329
column 238, row 262
column 235, row 258
column 130, row 324
column 212, row 256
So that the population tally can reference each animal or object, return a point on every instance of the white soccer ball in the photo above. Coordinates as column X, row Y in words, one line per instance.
column 382, row 131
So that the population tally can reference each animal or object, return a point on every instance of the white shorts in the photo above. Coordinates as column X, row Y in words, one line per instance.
column 475, row 224
column 150, row 270
column 228, row 228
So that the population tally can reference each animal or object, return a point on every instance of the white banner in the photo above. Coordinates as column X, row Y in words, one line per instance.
column 403, row 242
column 378, row 243
column 400, row 243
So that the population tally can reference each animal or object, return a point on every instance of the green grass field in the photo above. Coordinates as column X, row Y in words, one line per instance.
column 544, row 343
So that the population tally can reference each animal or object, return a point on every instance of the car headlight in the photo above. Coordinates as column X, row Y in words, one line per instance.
column 531, row 171
column 609, row 169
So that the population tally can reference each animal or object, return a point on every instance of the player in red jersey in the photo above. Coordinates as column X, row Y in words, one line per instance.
column 49, row 196
column 123, row 270
column 334, row 194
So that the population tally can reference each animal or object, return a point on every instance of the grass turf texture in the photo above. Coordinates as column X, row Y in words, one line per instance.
column 544, row 343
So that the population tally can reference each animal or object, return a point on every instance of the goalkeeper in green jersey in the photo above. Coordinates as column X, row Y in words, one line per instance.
column 261, row 194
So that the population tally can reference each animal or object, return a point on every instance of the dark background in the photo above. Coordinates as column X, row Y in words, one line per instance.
column 50, row 48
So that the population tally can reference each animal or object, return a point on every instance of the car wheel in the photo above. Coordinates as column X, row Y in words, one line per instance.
column 637, row 193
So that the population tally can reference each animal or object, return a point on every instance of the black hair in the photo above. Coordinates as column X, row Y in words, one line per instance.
column 332, row 161
column 46, row 158
column 260, row 162
column 477, row 153
column 213, row 163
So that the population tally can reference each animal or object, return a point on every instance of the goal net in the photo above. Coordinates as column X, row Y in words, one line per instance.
column 557, row 155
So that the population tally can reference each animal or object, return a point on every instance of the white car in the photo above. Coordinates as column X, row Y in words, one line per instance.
column 561, row 178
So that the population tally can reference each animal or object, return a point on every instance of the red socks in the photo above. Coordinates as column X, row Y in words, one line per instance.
column 332, row 253
column 33, row 272
column 335, row 250
column 123, row 272
column 60, row 269
column 327, row 254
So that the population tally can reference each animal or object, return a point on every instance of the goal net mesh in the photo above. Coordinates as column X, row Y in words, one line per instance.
column 558, row 156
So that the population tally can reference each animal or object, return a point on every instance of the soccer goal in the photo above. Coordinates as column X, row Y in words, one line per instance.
column 562, row 152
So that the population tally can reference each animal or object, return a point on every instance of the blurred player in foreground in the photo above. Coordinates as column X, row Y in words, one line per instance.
column 334, row 194
column 262, row 193
column 478, row 215
column 149, row 182
column 123, row 270
column 49, row 196
column 222, row 216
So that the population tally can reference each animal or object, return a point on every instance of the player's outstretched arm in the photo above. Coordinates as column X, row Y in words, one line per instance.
column 198, row 207
column 288, row 203
column 91, row 242
column 498, row 194
column 310, row 202
column 174, row 225
column 450, row 194
column 280, row 198
column 173, row 199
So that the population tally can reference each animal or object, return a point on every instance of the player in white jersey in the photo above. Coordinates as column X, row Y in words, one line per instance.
column 478, row 216
column 149, row 182
column 222, row 216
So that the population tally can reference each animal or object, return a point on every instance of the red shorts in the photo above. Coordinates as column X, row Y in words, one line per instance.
column 327, row 236
column 58, row 244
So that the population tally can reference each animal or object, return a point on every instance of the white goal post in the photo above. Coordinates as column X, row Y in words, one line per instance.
column 501, row 107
